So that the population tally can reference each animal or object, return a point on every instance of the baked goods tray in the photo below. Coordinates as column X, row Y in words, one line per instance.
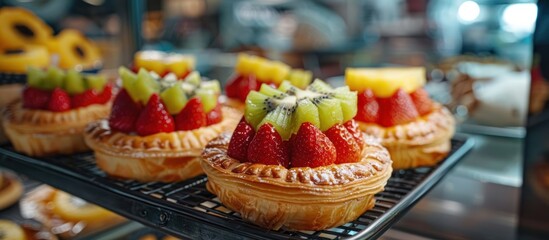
column 186, row 209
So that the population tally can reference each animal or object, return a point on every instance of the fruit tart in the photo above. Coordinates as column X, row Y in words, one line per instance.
column 54, row 110
column 251, row 71
column 159, row 126
column 163, row 63
column 394, row 107
column 297, row 160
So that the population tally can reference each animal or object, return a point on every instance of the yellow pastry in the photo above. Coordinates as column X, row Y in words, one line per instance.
column 20, row 27
column 74, row 50
column 18, row 60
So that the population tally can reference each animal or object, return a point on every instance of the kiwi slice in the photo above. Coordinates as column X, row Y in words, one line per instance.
column 306, row 111
column 211, row 85
column 208, row 99
column 257, row 106
column 272, row 92
column 145, row 86
column 193, row 78
column 74, row 83
column 35, row 77
column 174, row 98
column 348, row 102
column 127, row 76
column 96, row 82
column 287, row 107
column 54, row 78
column 319, row 86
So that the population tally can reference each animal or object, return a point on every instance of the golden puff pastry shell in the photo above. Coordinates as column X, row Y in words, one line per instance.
column 100, row 137
column 297, row 198
column 423, row 142
column 42, row 133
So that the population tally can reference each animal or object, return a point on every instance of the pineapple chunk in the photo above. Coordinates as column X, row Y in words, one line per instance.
column 385, row 81
column 150, row 60
column 244, row 64
column 179, row 64
column 279, row 72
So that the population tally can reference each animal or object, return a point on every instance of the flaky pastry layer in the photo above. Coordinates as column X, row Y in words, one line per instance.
column 42, row 133
column 164, row 157
column 423, row 142
column 297, row 198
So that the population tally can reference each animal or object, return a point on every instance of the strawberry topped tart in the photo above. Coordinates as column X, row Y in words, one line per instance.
column 252, row 71
column 159, row 126
column 394, row 107
column 54, row 110
column 297, row 160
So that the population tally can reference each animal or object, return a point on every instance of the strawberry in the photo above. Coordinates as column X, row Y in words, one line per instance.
column 311, row 147
column 240, row 86
column 214, row 116
column 268, row 148
column 106, row 95
column 124, row 112
column 242, row 136
column 397, row 109
column 367, row 107
column 35, row 98
column 191, row 117
column 347, row 149
column 86, row 98
column 154, row 118
column 352, row 127
column 60, row 101
column 422, row 101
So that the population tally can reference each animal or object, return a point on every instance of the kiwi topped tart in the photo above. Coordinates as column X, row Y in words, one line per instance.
column 54, row 109
column 394, row 107
column 252, row 71
column 158, row 126
column 297, row 155
column 163, row 63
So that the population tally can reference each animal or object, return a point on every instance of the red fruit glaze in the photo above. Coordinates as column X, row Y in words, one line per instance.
column 86, row 98
column 154, row 118
column 240, row 86
column 268, row 148
column 422, row 101
column 59, row 101
column 214, row 116
column 124, row 113
column 34, row 98
column 311, row 148
column 191, row 117
column 347, row 150
column 352, row 127
column 240, row 140
column 367, row 107
column 397, row 109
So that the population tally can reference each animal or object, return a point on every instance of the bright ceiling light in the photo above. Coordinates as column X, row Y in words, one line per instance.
column 468, row 12
column 520, row 17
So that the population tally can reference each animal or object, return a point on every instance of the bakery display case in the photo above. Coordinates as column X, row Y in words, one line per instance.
column 206, row 119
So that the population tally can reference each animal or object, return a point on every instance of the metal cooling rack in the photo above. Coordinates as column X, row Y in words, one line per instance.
column 186, row 209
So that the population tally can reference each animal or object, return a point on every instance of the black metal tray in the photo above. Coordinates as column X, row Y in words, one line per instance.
column 186, row 209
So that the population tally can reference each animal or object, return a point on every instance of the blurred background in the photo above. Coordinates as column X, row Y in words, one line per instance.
column 478, row 55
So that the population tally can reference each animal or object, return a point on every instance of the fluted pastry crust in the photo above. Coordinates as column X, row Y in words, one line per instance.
column 164, row 157
column 42, row 133
column 423, row 142
column 297, row 198
column 9, row 93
